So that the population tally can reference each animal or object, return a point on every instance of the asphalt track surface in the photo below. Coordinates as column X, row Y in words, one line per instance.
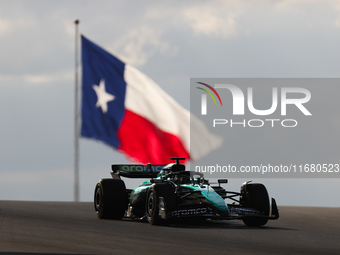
column 73, row 228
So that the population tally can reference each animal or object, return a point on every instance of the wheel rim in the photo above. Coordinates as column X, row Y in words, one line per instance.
column 150, row 204
column 98, row 199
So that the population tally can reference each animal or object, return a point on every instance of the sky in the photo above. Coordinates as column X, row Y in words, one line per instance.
column 170, row 42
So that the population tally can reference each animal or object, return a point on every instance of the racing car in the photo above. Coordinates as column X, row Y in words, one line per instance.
column 172, row 192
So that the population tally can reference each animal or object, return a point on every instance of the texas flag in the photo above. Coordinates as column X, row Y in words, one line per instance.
column 125, row 109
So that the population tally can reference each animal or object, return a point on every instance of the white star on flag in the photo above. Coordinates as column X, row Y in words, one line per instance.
column 102, row 95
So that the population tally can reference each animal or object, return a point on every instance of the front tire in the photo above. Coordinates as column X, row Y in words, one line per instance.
column 110, row 199
column 164, row 190
column 255, row 195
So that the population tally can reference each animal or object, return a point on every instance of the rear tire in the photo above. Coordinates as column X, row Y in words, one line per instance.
column 110, row 199
column 255, row 195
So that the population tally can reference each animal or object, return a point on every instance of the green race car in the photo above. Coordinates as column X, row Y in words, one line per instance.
column 173, row 193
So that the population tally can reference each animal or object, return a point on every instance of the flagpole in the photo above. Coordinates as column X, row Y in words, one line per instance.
column 76, row 120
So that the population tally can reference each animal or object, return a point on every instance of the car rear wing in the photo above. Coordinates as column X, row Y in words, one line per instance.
column 136, row 171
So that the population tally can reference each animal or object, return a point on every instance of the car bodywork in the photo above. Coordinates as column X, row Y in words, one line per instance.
column 172, row 192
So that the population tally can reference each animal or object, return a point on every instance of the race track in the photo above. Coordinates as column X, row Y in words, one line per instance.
column 73, row 228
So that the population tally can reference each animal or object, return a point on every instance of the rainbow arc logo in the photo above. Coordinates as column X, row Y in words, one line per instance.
column 209, row 93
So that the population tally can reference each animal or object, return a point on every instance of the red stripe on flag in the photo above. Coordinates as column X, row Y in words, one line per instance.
column 142, row 141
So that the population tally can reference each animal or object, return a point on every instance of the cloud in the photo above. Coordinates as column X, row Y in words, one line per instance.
column 149, row 38
column 218, row 19
column 34, row 177
column 16, row 21
column 141, row 43
column 4, row 27
column 231, row 18
column 38, row 79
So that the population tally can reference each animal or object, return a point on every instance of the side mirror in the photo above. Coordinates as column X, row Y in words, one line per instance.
column 222, row 181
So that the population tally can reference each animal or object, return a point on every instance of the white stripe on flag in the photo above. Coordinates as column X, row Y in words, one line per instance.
column 145, row 98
